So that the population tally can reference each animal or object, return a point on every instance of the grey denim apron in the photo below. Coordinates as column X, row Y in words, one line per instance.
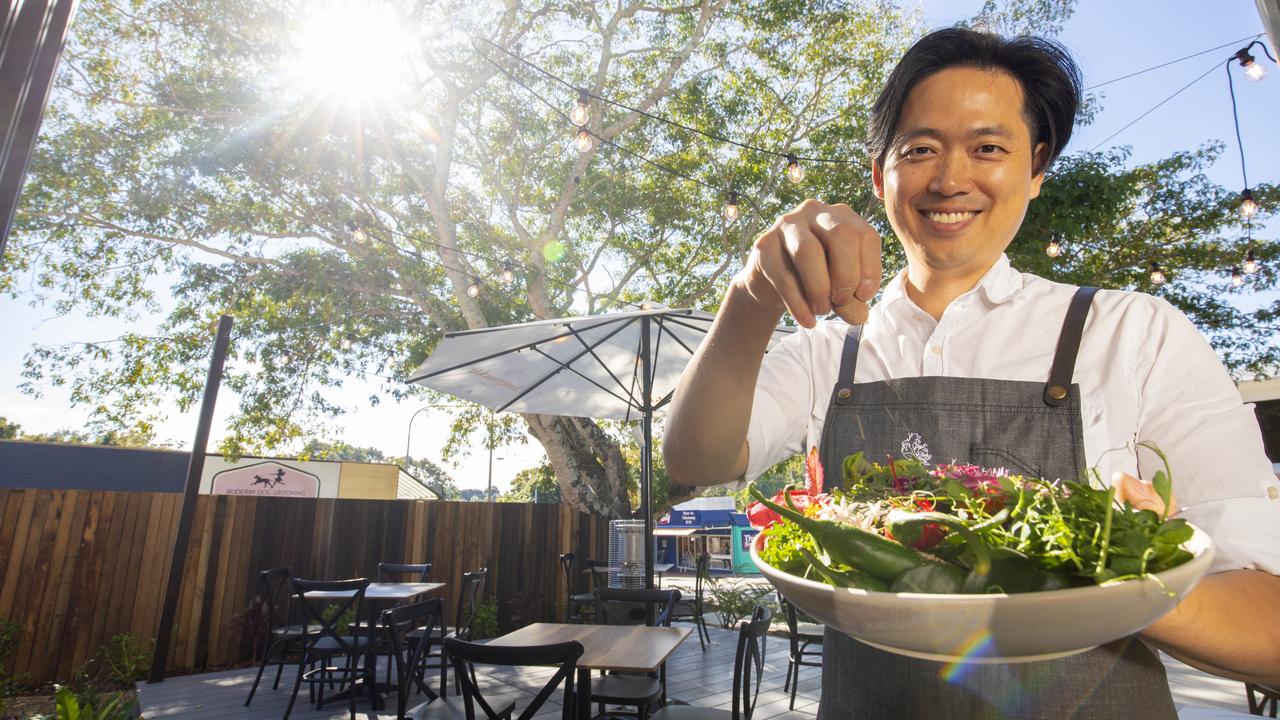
column 1031, row 428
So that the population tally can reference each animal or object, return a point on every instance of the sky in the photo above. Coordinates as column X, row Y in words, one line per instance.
column 1109, row 39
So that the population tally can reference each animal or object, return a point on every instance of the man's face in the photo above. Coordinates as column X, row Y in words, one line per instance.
column 958, row 177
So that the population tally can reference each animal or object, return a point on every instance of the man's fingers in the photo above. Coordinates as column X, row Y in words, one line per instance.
column 1140, row 494
column 872, row 271
column 780, row 273
column 837, row 228
column 809, row 259
column 854, row 312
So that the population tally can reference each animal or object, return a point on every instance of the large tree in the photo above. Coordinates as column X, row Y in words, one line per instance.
column 350, row 201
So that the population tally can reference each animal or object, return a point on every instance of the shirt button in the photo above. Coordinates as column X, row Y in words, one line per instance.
column 1273, row 493
column 937, row 349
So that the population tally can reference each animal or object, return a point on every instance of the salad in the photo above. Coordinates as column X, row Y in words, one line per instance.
column 903, row 526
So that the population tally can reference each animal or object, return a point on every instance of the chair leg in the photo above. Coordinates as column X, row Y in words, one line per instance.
column 297, row 683
column 786, row 684
column 263, row 666
column 702, row 630
column 795, row 683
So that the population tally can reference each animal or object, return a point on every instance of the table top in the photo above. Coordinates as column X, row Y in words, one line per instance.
column 383, row 591
column 633, row 648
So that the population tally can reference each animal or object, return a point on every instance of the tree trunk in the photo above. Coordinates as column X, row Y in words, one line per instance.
column 587, row 462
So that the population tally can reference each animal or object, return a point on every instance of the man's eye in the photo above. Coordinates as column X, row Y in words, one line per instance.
column 921, row 150
column 989, row 149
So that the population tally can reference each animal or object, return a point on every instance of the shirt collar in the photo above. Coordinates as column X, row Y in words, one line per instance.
column 999, row 284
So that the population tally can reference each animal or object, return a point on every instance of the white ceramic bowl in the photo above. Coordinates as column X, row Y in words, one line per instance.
column 994, row 628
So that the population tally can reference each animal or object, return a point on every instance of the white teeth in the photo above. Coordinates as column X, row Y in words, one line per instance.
column 950, row 218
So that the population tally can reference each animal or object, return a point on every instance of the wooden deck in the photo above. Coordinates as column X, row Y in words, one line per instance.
column 697, row 677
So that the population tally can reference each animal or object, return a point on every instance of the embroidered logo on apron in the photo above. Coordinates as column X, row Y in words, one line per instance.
column 915, row 447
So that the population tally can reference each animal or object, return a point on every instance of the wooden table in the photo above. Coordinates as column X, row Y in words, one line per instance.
column 624, row 648
column 377, row 593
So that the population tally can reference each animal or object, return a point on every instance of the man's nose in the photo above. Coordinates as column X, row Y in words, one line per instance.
column 953, row 176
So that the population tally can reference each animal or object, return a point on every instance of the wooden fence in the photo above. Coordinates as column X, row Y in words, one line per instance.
column 78, row 567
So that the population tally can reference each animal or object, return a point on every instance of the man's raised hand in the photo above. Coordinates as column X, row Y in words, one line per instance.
column 815, row 259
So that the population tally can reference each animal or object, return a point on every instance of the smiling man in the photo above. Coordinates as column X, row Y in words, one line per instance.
column 976, row 362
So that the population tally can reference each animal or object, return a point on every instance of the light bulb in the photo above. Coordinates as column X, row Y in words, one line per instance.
column 581, row 112
column 473, row 290
column 283, row 360
column 1157, row 275
column 731, row 207
column 345, row 343
column 795, row 173
column 1250, row 263
column 1248, row 206
column 1237, row 279
column 1054, row 249
column 508, row 275
column 583, row 141
column 1252, row 69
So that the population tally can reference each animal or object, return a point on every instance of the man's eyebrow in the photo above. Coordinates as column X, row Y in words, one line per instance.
column 936, row 134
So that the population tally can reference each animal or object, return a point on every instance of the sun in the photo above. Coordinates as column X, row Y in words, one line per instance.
column 351, row 53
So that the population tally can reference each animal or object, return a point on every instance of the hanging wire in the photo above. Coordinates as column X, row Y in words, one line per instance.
column 1172, row 62
column 1157, row 106
column 654, row 116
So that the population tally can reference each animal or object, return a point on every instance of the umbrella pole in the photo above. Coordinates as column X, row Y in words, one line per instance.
column 646, row 457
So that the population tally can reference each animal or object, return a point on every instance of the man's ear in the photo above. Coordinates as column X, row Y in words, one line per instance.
column 877, row 179
column 1039, row 162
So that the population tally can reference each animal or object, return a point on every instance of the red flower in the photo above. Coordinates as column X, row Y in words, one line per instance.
column 762, row 517
column 982, row 483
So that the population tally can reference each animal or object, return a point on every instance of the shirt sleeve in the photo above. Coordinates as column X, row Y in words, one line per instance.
column 1192, row 411
column 781, row 405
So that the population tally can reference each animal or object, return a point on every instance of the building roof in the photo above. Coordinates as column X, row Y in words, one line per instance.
column 25, row 464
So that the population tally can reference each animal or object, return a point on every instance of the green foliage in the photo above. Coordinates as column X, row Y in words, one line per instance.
column 344, row 621
column 423, row 469
column 485, row 624
column 118, row 706
column 125, row 660
column 10, row 632
column 9, row 430
column 254, row 622
column 536, row 484
column 734, row 602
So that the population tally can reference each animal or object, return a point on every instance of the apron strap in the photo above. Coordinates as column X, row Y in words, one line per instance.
column 1056, row 391
column 848, row 364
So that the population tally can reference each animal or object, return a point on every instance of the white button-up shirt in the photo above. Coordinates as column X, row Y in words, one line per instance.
column 1145, row 373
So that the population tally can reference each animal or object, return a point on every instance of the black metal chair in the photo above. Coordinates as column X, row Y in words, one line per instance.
column 576, row 602
column 1267, row 697
column 283, row 637
column 466, row 655
column 800, row 638
column 407, row 655
column 327, row 643
column 691, row 608
column 463, row 624
column 633, row 607
column 404, row 572
column 748, row 669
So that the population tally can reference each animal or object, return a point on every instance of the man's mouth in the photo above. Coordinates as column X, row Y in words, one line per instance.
column 949, row 218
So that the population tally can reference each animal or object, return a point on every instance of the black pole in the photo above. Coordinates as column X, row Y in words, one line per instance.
column 646, row 457
column 194, row 470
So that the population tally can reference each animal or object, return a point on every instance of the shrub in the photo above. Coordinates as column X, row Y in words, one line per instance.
column 116, row 707
column 125, row 660
column 254, row 622
column 735, row 603
column 485, row 624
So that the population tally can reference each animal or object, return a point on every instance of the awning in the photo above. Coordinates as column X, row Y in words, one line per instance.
column 674, row 531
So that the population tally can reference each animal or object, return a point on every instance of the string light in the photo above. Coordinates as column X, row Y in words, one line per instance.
column 1157, row 275
column 581, row 112
column 345, row 343
column 1054, row 249
column 583, row 141
column 1250, row 263
column 795, row 173
column 473, row 290
column 1237, row 279
column 1248, row 206
column 1252, row 68
column 731, row 207
column 357, row 234
column 508, row 275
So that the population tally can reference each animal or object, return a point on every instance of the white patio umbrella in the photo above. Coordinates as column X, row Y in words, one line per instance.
column 616, row 366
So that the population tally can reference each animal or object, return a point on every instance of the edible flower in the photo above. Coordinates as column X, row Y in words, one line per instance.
column 811, row 495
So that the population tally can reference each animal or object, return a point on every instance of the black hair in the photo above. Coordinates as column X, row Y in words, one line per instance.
column 1048, row 75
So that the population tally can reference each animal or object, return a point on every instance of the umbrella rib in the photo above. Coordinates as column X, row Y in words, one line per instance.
column 564, row 365
column 631, row 398
column 490, row 356
column 584, row 377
